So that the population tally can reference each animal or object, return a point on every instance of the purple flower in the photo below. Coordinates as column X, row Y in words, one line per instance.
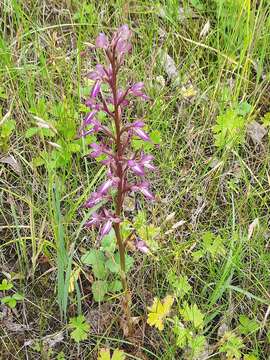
column 99, row 150
column 123, row 46
column 98, row 74
column 136, row 90
column 141, row 245
column 95, row 89
column 143, row 187
column 124, row 33
column 102, row 41
column 136, row 167
column 103, row 189
column 141, row 134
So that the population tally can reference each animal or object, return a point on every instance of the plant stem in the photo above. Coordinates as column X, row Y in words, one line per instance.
column 120, row 192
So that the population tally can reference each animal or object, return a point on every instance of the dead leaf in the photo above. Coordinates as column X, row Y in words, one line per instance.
column 205, row 29
column 10, row 160
column 251, row 227
column 169, row 66
column 170, row 217
column 256, row 132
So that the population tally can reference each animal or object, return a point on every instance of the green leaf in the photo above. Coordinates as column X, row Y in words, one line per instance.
column 31, row 132
column 197, row 255
column 229, row 130
column 99, row 289
column 74, row 148
column 5, row 285
column 118, row 355
column 81, row 328
column 231, row 345
column 115, row 286
column 155, row 137
column 7, row 128
column 113, row 264
column 250, row 357
column 244, row 108
column 192, row 314
column 108, row 243
column 17, row 297
column 104, row 354
column 10, row 301
column 96, row 259
column 266, row 119
column 248, row 326
column 197, row 345
column 182, row 333
column 180, row 284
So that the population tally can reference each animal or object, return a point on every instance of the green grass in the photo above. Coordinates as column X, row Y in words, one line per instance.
column 218, row 190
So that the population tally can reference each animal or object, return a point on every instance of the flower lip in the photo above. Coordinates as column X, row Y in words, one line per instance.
column 102, row 41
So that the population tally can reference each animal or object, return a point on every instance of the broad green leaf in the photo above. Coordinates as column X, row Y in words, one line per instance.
column 31, row 132
column 197, row 345
column 17, row 297
column 104, row 354
column 244, row 108
column 180, row 284
column 229, row 130
column 155, row 137
column 248, row 326
column 192, row 314
column 182, row 333
column 113, row 264
column 81, row 328
column 231, row 345
column 10, row 301
column 5, row 285
column 108, row 243
column 7, row 128
column 96, row 259
column 99, row 289
column 115, row 286
column 118, row 355
column 159, row 311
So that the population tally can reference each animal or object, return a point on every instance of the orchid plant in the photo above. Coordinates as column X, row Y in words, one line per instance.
column 126, row 169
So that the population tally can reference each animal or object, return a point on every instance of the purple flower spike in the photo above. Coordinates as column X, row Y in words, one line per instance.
column 110, row 107
column 102, row 41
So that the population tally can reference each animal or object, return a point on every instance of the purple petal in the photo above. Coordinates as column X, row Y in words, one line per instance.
column 93, row 104
column 136, row 167
column 142, row 134
column 138, row 124
column 95, row 89
column 93, row 221
column 87, row 120
column 106, row 228
column 147, row 193
column 123, row 46
column 141, row 246
column 102, row 41
column 123, row 32
column 137, row 87
column 103, row 189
